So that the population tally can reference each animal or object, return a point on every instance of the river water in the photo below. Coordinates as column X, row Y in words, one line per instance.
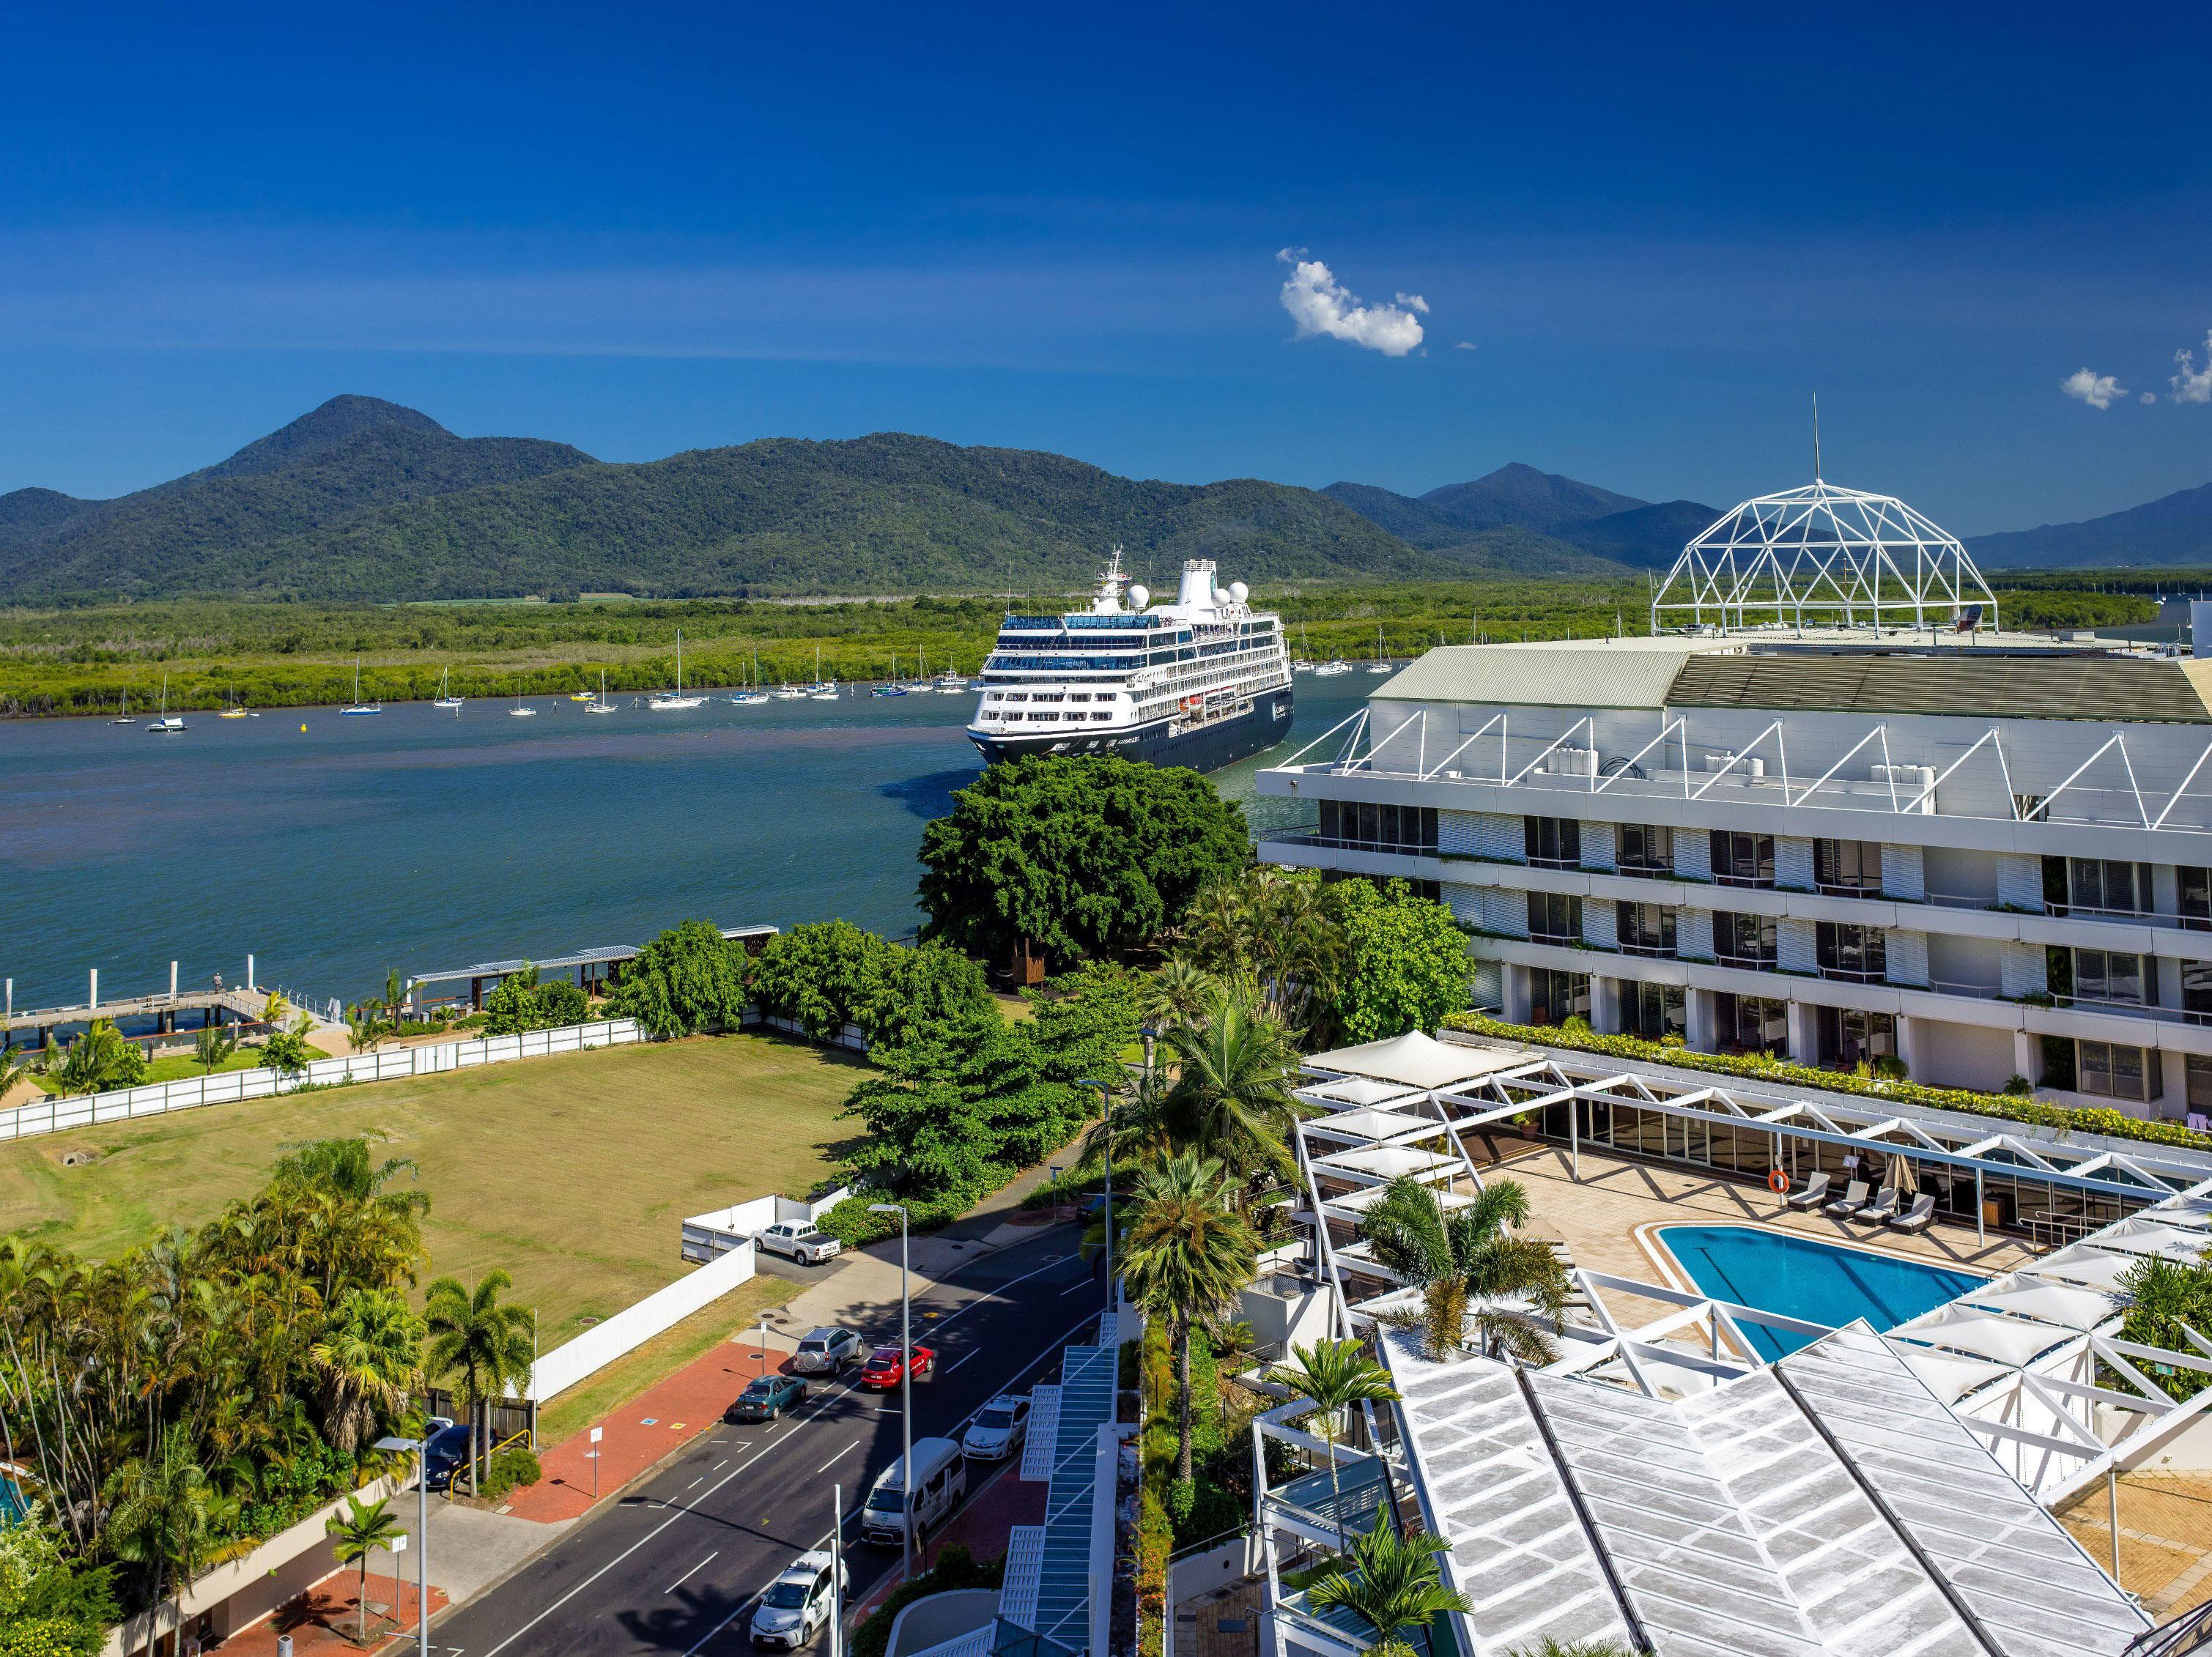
column 418, row 841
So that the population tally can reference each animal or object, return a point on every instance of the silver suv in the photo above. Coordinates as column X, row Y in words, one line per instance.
column 828, row 1351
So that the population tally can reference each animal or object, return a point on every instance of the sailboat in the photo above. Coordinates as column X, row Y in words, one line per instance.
column 602, row 705
column 894, row 688
column 359, row 706
column 123, row 714
column 752, row 692
column 521, row 710
column 671, row 702
column 821, row 690
column 920, row 685
column 1305, row 663
column 1382, row 662
column 233, row 711
column 949, row 683
column 165, row 724
column 445, row 697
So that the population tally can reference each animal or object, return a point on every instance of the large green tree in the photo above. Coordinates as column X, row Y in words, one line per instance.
column 1074, row 857
column 1449, row 1253
column 690, row 978
column 1405, row 963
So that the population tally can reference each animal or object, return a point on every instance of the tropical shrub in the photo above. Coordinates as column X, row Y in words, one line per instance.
column 1405, row 964
column 823, row 976
column 689, row 979
column 50, row 1605
column 956, row 1568
column 511, row 1470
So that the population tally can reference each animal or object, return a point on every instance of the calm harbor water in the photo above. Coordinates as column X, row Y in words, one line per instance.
column 418, row 841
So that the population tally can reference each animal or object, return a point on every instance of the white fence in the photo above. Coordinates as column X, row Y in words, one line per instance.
column 634, row 1324
column 707, row 1237
column 230, row 1086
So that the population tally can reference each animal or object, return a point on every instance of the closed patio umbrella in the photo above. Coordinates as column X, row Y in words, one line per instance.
column 1901, row 1177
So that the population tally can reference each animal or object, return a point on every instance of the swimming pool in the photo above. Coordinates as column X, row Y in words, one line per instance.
column 1802, row 1277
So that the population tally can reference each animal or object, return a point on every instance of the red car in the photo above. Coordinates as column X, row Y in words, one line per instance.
column 886, row 1368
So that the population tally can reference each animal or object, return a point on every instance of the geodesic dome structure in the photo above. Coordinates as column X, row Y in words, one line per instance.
column 1842, row 557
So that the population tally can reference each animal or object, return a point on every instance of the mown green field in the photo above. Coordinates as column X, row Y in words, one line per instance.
column 573, row 1173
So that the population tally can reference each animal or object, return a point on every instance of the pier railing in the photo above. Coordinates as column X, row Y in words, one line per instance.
column 230, row 1086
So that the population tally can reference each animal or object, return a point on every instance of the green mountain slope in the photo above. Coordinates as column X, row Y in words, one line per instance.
column 389, row 510
column 2174, row 529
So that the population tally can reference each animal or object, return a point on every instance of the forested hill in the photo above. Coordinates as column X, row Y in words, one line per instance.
column 363, row 500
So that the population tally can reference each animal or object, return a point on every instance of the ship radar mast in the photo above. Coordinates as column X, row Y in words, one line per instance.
column 1107, row 601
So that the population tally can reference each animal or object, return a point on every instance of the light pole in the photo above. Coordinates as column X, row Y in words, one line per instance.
column 421, row 1448
column 762, row 1338
column 906, row 1393
column 1106, row 1109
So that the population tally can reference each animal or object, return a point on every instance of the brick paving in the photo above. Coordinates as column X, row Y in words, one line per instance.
column 642, row 1431
column 2165, row 1537
column 321, row 1620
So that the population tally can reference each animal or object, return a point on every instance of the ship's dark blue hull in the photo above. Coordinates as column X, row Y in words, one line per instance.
column 1222, row 743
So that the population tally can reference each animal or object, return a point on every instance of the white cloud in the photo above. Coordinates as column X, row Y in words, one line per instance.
column 1464, row 345
column 2148, row 397
column 1320, row 304
column 2096, row 390
column 2193, row 385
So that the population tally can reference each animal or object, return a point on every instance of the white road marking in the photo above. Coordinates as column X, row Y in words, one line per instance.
column 962, row 1359
column 1042, row 1354
column 1075, row 1288
column 718, row 1465
column 696, row 1483
column 694, row 1571
column 839, row 1456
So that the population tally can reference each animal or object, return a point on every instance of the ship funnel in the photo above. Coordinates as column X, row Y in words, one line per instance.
column 1197, row 582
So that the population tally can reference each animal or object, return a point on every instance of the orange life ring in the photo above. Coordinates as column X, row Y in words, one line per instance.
column 1777, row 1182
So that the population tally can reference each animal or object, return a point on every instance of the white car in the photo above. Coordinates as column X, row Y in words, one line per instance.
column 798, row 1241
column 998, row 1430
column 797, row 1604
column 828, row 1351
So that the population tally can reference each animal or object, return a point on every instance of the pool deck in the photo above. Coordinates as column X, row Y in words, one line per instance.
column 1607, row 1216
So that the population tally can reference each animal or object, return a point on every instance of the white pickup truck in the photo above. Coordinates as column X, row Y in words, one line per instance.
column 798, row 1241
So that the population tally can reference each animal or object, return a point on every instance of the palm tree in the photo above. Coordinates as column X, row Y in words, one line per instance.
column 1389, row 1583
column 358, row 1530
column 1334, row 1375
column 160, row 1518
column 1177, row 994
column 1451, row 1253
column 363, row 1031
column 212, row 1048
column 1548, row 1647
column 95, row 1060
column 1187, row 1254
column 483, row 1344
column 1136, row 1126
column 1232, row 1098
column 367, row 1355
column 2163, row 1299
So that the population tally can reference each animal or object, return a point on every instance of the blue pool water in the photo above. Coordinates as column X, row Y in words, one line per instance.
column 1800, row 1278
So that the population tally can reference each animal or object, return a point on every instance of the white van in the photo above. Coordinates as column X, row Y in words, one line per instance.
column 941, row 1480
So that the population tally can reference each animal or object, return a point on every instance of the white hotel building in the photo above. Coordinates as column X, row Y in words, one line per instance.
column 1988, row 855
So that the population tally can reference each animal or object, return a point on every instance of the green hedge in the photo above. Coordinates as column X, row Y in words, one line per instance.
column 1757, row 1068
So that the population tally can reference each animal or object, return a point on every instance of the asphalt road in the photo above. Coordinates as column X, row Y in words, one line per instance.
column 675, row 1564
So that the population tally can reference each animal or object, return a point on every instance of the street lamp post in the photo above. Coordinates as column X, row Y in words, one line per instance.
column 1106, row 1109
column 421, row 1448
column 906, row 1391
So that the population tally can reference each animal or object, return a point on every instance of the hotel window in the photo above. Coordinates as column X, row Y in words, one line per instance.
column 1857, row 954
column 2098, row 975
column 1646, row 928
column 1554, row 998
column 2112, row 1071
column 1743, row 860
column 2097, row 885
column 1654, row 1012
column 1847, row 868
column 1743, row 940
column 1848, row 1037
column 1553, row 842
column 1363, row 826
column 1555, row 918
column 1752, row 1023
column 2199, row 1094
column 1644, row 848
column 2194, row 887
column 2196, row 992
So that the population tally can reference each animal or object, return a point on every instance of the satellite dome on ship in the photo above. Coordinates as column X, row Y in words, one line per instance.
column 1841, row 557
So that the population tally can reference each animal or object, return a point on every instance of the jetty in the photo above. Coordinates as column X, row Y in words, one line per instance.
column 595, row 969
column 241, row 1003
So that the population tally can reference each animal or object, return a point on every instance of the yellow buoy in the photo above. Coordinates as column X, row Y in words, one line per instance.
column 303, row 727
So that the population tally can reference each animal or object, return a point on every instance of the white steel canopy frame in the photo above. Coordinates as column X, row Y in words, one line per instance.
column 1842, row 556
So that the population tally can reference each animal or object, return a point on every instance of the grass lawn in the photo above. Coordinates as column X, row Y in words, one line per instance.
column 573, row 1173
column 179, row 1067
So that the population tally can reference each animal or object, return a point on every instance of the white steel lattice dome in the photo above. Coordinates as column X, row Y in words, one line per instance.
column 1840, row 557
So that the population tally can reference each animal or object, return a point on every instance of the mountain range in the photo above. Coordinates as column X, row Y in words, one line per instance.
column 365, row 499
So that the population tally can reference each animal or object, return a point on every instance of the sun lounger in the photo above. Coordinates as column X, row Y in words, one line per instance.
column 1811, row 1193
column 1883, row 1207
column 1915, row 1218
column 1854, row 1194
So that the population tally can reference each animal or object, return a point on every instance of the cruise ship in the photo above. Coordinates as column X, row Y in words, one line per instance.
column 1203, row 682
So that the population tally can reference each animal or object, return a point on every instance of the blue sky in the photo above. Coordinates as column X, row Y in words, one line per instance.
column 650, row 228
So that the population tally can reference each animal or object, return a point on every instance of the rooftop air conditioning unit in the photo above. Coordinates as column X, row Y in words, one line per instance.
column 1742, row 767
column 1573, row 762
column 1910, row 781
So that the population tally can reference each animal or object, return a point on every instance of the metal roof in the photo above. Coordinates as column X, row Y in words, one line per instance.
column 1088, row 1376
column 599, row 957
column 1977, row 683
column 1828, row 1507
column 1576, row 673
